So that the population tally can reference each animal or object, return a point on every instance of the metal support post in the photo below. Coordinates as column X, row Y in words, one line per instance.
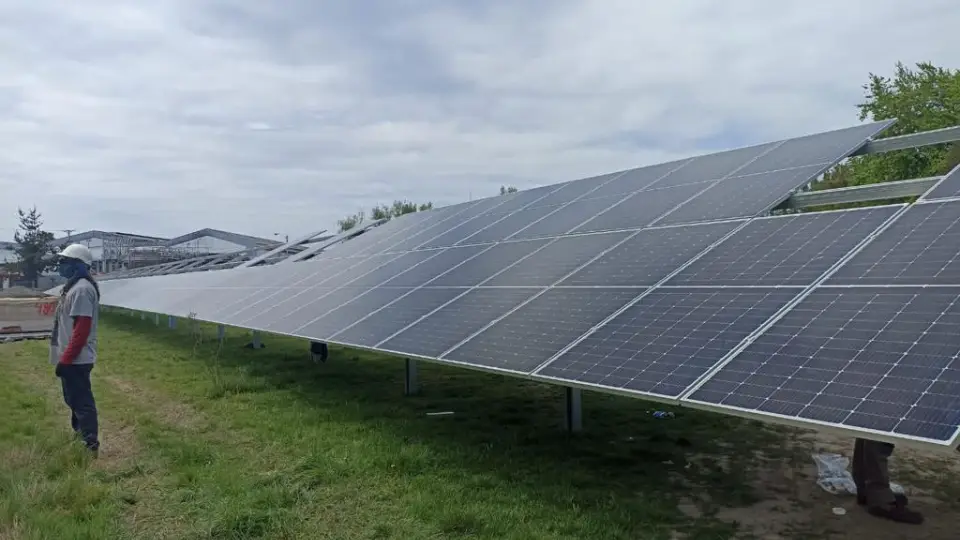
column 410, row 383
column 171, row 321
column 156, row 318
column 221, row 332
column 255, row 342
column 573, row 412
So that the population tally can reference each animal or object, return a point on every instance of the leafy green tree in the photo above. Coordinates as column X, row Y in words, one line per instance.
column 35, row 250
column 382, row 211
column 400, row 208
column 921, row 99
column 350, row 221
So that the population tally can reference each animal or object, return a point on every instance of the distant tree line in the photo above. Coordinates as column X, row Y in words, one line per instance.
column 397, row 209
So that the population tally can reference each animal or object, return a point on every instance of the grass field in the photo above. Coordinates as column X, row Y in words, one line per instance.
column 202, row 441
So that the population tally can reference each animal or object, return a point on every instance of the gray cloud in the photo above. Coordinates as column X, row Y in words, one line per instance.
column 260, row 117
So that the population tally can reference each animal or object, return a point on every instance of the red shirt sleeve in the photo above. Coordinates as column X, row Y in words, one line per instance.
column 78, row 338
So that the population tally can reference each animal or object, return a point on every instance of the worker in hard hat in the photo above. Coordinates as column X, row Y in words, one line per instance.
column 73, row 344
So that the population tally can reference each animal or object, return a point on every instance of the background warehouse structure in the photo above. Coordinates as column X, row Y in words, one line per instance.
column 670, row 282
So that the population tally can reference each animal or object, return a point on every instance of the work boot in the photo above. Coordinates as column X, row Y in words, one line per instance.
column 897, row 497
column 896, row 511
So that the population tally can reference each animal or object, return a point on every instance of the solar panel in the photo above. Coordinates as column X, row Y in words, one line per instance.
column 636, row 179
column 641, row 208
column 291, row 296
column 520, row 200
column 713, row 166
column 785, row 250
column 567, row 217
column 575, row 189
column 919, row 248
column 667, row 340
column 743, row 196
column 379, row 269
column 556, row 260
column 820, row 148
column 248, row 284
column 872, row 358
column 467, row 229
column 383, row 233
column 321, row 325
column 949, row 186
column 313, row 305
column 445, row 261
column 506, row 227
column 390, row 318
column 429, row 229
column 456, row 321
column 540, row 328
column 648, row 256
column 488, row 263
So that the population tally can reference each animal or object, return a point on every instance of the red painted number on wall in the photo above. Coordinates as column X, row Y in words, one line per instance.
column 47, row 309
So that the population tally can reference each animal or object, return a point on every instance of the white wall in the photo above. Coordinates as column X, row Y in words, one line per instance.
column 209, row 244
column 7, row 255
column 96, row 247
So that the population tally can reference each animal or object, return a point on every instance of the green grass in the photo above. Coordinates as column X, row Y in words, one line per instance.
column 209, row 442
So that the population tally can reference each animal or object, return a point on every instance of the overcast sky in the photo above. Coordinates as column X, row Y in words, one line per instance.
column 165, row 116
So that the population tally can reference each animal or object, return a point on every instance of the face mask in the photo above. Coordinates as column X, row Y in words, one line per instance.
column 72, row 269
column 66, row 269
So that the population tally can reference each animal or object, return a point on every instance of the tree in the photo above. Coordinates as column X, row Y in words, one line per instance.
column 382, row 211
column 35, row 250
column 507, row 189
column 923, row 99
column 350, row 221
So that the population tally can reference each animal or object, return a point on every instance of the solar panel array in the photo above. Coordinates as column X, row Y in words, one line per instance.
column 658, row 281
column 875, row 347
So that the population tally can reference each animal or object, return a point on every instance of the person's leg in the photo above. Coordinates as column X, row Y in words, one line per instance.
column 65, row 386
column 872, row 476
column 857, row 469
column 875, row 473
column 84, row 405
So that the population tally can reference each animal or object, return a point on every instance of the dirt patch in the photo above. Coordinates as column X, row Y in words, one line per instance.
column 793, row 506
column 170, row 412
column 119, row 446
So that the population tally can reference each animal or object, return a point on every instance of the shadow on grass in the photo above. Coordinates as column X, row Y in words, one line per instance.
column 626, row 465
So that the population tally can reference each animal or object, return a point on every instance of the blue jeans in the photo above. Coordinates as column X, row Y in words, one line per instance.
column 78, row 395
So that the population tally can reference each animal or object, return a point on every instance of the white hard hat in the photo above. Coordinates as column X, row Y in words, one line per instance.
column 78, row 251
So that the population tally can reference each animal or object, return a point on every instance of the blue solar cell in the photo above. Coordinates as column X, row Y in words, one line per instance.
column 862, row 358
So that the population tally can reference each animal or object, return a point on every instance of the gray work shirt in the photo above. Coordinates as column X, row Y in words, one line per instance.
column 80, row 301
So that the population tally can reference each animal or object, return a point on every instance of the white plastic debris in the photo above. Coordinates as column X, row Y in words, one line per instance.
column 440, row 413
column 833, row 476
column 838, row 511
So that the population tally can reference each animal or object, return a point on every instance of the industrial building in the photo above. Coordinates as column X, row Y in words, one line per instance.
column 114, row 251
